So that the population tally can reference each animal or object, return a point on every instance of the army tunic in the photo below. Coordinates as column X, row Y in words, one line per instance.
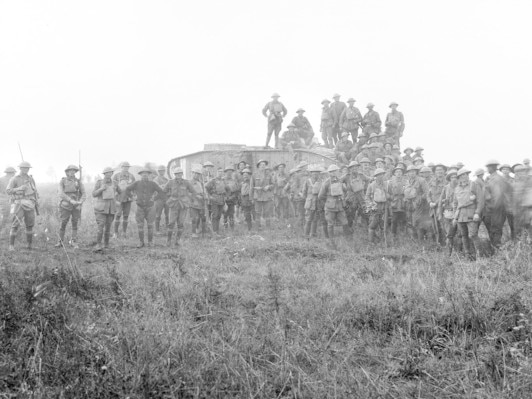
column 178, row 193
column 371, row 123
column 263, row 194
column 417, row 207
column 160, row 202
column 436, row 187
column 326, row 125
column 303, row 128
column 395, row 125
column 376, row 202
column 342, row 150
column 70, row 189
column 350, row 120
column 310, row 192
column 23, row 202
column 332, row 191
column 218, row 192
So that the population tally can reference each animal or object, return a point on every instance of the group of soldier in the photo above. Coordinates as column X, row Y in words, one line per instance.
column 388, row 196
column 338, row 120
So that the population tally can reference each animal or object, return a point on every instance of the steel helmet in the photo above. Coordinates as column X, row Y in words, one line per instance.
column 462, row 171
column 208, row 163
column 335, row 95
column 260, row 161
column 274, row 95
column 177, row 169
column 144, row 170
column 425, row 169
column 492, row 162
column 108, row 170
column 505, row 165
column 365, row 160
column 351, row 100
column 519, row 168
column 325, row 101
column 125, row 163
column 370, row 105
column 246, row 170
column 393, row 103
column 412, row 167
column 229, row 168
column 379, row 171
column 24, row 164
column 449, row 174
column 300, row 110
column 197, row 170
column 10, row 169
column 332, row 168
column 353, row 163
column 290, row 125
column 161, row 167
column 72, row 167
column 479, row 172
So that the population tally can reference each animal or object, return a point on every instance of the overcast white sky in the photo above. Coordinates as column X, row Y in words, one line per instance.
column 151, row 80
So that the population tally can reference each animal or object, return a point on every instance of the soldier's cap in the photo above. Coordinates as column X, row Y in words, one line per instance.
column 460, row 165
column 300, row 110
column 479, row 172
column 526, row 161
column 260, row 161
column 246, row 171
column 519, row 168
column 352, row 164
column 274, row 95
column 373, row 145
column 401, row 163
column 10, row 169
column 161, row 167
column 449, row 174
column 370, row 105
column 208, row 163
column 395, row 147
column 229, row 168
column 462, row 171
column 144, row 170
column 379, row 171
column 393, row 103
column 277, row 166
column 197, row 170
column 516, row 165
column 242, row 162
column 418, row 148
column 345, row 134
column 454, row 166
column 440, row 165
column 302, row 165
column 365, row 160
column 408, row 149
column 108, row 170
column 125, row 164
column 325, row 101
column 290, row 125
column 176, row 170
column 351, row 100
column 412, row 167
column 24, row 164
column 425, row 169
column 398, row 167
column 505, row 165
column 335, row 95
column 72, row 167
column 492, row 162
column 332, row 168
column 379, row 160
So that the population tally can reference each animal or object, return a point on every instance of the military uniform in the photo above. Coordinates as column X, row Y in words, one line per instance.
column 376, row 203
column 522, row 200
column 275, row 111
column 232, row 189
column 4, row 198
column 123, row 179
column 332, row 191
column 281, row 201
column 436, row 187
column 246, row 201
column 72, row 195
column 263, row 196
column 105, row 191
column 446, row 209
column 326, row 125
column 337, row 107
column 160, row 204
column 417, row 207
column 23, row 193
column 303, row 129
column 350, row 120
column 290, row 140
column 178, row 192
column 495, row 208
column 371, row 123
column 356, row 186
column 311, row 189
column 342, row 150
column 294, row 189
column 395, row 125
column 197, row 207
column 217, row 195
column 396, row 193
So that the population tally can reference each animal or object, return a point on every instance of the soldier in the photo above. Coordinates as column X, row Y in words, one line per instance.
column 105, row 191
column 522, row 200
column 426, row 173
column 418, row 152
column 303, row 127
column 355, row 184
column 275, row 111
column 290, row 139
column 365, row 164
column 371, row 122
column 446, row 210
column 145, row 190
column 72, row 195
column 376, row 202
column 350, row 119
column 407, row 158
column 246, row 195
column 396, row 194
column 496, row 202
column 4, row 199
column 232, row 189
column 178, row 192
column 332, row 192
column 436, row 187
column 395, row 124
column 294, row 189
column 343, row 148
column 311, row 189
column 24, row 203
column 326, row 125
column 467, row 206
column 505, row 170
column 417, row 209
column 364, row 153
column 123, row 179
column 263, row 193
column 281, row 201
column 218, row 193
column 208, row 171
column 337, row 107
column 198, row 205
column 479, row 178
column 160, row 200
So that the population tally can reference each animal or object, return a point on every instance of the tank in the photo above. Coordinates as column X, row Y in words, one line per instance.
column 223, row 155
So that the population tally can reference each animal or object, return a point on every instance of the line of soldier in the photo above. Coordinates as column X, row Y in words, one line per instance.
column 337, row 118
column 429, row 202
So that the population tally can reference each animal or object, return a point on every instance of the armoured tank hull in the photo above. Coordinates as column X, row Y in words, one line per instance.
column 223, row 155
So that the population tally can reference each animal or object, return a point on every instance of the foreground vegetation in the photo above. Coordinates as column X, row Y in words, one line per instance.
column 263, row 316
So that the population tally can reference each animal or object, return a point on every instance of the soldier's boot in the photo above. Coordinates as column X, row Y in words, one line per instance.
column 141, row 239
column 308, row 226
column 169, row 238
column 29, row 240
column 98, row 244
column 325, row 231
column 61, row 239
column 150, row 236
column 314, row 229
column 124, row 227
column 12, row 242
column 466, row 245
column 74, row 240
column 372, row 236
column 475, row 247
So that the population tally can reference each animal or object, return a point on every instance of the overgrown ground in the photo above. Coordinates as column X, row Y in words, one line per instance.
column 263, row 316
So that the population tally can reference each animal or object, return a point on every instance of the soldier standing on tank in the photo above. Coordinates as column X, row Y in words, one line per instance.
column 371, row 122
column 24, row 202
column 105, row 191
column 178, row 192
column 327, row 123
column 145, row 190
column 275, row 111
column 160, row 200
column 337, row 107
column 72, row 195
column 350, row 119
column 4, row 198
column 123, row 179
column 303, row 127
column 395, row 124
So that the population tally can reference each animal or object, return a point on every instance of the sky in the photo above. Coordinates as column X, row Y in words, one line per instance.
column 152, row 80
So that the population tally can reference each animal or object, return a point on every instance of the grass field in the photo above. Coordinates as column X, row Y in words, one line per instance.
column 261, row 316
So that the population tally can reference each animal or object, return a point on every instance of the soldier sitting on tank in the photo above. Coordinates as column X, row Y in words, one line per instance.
column 290, row 140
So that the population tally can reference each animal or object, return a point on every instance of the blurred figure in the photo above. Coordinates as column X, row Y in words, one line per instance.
column 505, row 170
column 343, row 148
column 337, row 107
column 123, row 179
column 72, row 195
column 395, row 124
column 281, row 201
column 350, row 119
column 105, row 191
column 496, row 201
column 446, row 209
column 232, row 189
column 303, row 127
column 160, row 200
column 332, row 192
column 275, row 111
column 371, row 122
column 263, row 193
column 522, row 200
column 217, row 192
column 4, row 198
column 327, row 123
column 376, row 203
